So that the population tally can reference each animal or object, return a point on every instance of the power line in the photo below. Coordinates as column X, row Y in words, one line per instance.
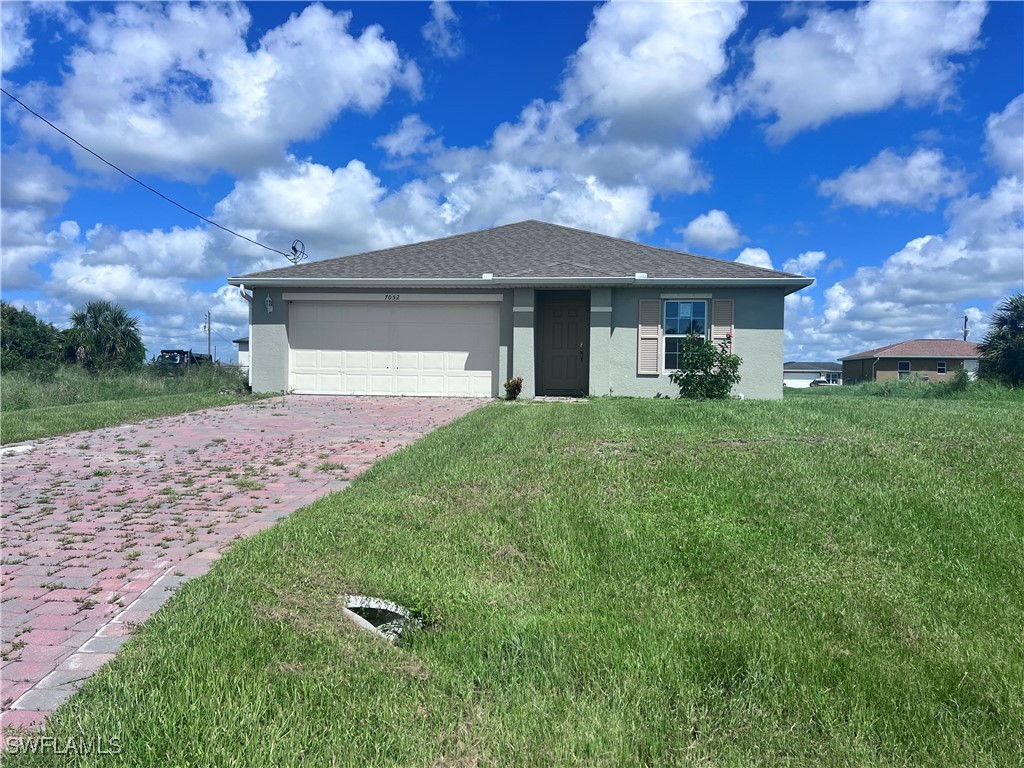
column 159, row 194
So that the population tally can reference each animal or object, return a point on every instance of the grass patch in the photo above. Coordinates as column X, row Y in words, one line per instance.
column 72, row 399
column 36, row 423
column 822, row 580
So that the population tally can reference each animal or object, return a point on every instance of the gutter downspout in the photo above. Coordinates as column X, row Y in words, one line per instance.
column 248, row 298
column 874, row 377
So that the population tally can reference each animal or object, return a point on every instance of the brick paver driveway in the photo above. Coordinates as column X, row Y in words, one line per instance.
column 99, row 527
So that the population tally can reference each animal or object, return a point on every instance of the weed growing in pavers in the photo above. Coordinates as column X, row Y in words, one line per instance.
column 145, row 445
column 102, row 472
column 132, row 556
column 82, row 446
column 85, row 603
column 52, row 585
column 219, row 440
column 192, row 451
column 330, row 466
column 9, row 654
column 248, row 485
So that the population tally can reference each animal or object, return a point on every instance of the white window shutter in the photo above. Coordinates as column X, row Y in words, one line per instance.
column 722, row 321
column 648, row 337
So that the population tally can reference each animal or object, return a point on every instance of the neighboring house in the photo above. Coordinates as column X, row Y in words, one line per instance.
column 572, row 312
column 800, row 374
column 243, row 354
column 929, row 359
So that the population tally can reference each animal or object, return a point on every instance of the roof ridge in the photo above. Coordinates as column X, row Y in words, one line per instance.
column 669, row 251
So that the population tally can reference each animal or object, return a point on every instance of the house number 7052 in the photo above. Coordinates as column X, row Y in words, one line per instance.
column 391, row 297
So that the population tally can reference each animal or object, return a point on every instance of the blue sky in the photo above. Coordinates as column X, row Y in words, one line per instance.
column 876, row 147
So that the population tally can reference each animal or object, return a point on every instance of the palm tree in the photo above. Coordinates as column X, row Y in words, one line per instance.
column 1002, row 351
column 104, row 335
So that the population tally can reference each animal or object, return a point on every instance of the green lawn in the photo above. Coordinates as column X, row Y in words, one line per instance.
column 818, row 581
column 70, row 399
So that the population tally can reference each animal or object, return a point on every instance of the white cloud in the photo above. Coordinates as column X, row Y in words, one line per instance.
column 918, row 181
column 409, row 138
column 347, row 210
column 755, row 257
column 649, row 70
column 712, row 231
column 847, row 62
column 30, row 178
column 176, row 89
column 1004, row 134
column 636, row 93
column 440, row 32
column 921, row 290
column 805, row 264
column 15, row 44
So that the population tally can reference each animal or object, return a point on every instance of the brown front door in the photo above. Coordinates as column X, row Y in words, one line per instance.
column 564, row 347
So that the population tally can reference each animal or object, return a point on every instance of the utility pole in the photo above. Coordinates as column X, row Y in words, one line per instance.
column 209, row 350
column 965, row 328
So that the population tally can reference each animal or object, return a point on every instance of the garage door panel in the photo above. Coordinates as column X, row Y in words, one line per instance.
column 330, row 358
column 381, row 361
column 355, row 360
column 305, row 358
column 368, row 348
column 432, row 362
column 408, row 361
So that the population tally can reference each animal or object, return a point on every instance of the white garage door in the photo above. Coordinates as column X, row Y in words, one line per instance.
column 385, row 348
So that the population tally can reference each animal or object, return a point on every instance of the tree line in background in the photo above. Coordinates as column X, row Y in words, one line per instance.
column 102, row 336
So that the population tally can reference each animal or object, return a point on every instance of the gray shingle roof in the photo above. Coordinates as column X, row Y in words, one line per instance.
column 528, row 249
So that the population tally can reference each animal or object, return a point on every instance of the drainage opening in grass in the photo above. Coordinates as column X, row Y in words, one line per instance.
column 387, row 619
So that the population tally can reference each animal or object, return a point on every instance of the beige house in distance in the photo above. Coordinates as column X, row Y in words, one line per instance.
column 928, row 359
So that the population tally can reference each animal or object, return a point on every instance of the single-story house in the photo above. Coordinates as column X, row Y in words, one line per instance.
column 801, row 374
column 930, row 359
column 572, row 312
column 243, row 353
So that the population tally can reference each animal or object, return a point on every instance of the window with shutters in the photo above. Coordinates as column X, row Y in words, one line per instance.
column 662, row 322
column 682, row 318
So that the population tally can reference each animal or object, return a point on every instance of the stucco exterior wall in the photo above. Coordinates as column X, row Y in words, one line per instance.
column 758, row 340
column 524, row 305
column 887, row 368
column 268, row 342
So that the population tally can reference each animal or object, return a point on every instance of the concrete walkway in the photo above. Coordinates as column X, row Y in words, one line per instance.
column 99, row 528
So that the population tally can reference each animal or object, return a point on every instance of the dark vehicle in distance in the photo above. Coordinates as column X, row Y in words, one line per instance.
column 182, row 358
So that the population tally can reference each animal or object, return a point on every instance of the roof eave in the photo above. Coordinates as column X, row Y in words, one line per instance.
column 791, row 284
column 955, row 356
